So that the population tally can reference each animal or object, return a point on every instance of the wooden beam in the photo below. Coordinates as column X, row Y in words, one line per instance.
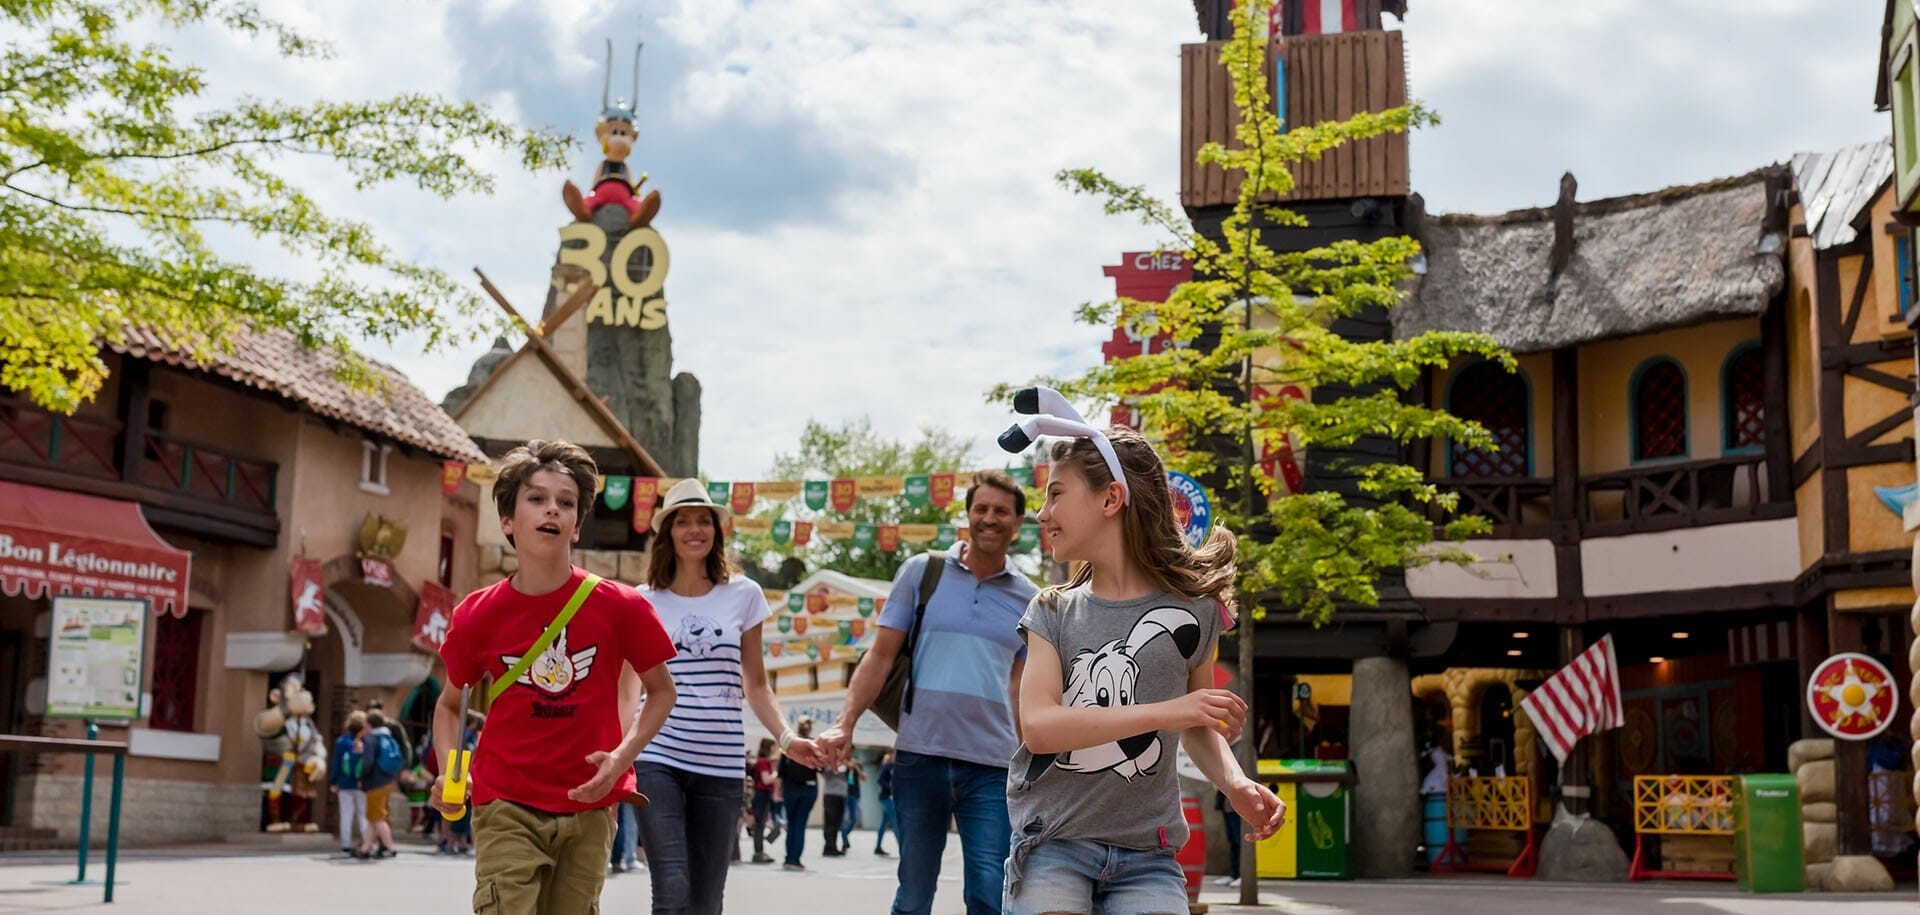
column 1739, row 598
column 1888, row 453
column 1891, row 382
column 1859, row 294
column 1864, row 438
column 1805, row 465
column 136, row 400
column 1850, row 757
column 567, row 309
column 1848, row 355
column 1782, row 476
column 1831, row 408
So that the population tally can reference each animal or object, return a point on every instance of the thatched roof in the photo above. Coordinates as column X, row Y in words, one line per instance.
column 1675, row 257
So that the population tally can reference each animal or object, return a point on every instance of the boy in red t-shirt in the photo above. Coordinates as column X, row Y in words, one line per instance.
column 561, row 740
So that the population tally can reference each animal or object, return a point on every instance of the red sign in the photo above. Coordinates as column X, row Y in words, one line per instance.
column 799, row 625
column 376, row 571
column 309, row 597
column 1282, row 464
column 843, row 494
column 431, row 619
column 816, row 601
column 889, row 537
column 1852, row 696
column 742, row 501
column 1040, row 474
column 802, row 533
column 1142, row 276
column 57, row 542
column 452, row 474
column 940, row 489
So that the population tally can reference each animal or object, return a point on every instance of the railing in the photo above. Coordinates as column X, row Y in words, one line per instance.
column 1685, row 494
column 30, row 745
column 207, row 472
column 73, row 444
column 1508, row 503
column 1499, row 803
column 1328, row 78
column 1679, row 805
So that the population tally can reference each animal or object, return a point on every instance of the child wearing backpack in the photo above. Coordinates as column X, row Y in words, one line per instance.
column 344, row 779
column 560, row 646
column 382, row 763
column 1119, row 666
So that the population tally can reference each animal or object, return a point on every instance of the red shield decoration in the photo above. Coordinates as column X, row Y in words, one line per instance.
column 1852, row 696
column 434, row 614
column 452, row 474
column 309, row 601
column 376, row 571
column 802, row 533
column 889, row 537
column 742, row 501
column 799, row 625
column 843, row 493
column 817, row 600
column 940, row 489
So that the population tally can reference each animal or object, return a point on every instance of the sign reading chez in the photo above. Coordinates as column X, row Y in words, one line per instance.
column 637, row 266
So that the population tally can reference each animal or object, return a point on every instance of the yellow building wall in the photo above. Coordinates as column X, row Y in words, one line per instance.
column 1873, row 597
column 1871, row 527
column 1606, row 374
column 1807, row 514
column 1536, row 370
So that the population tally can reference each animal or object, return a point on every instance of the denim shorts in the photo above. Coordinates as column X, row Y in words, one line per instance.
column 1078, row 875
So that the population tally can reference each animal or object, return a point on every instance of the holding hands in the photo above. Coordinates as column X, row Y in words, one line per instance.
column 831, row 748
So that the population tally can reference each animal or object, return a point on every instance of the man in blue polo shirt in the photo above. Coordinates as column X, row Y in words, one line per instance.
column 952, row 750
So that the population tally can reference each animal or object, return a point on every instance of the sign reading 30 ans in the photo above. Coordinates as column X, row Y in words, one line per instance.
column 98, row 656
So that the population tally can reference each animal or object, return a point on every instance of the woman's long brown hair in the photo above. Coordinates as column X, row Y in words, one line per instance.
column 663, row 560
column 1152, row 535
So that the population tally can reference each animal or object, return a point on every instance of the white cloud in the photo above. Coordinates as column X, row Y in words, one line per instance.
column 902, row 300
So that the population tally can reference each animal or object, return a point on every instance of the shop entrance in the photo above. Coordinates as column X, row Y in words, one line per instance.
column 13, row 660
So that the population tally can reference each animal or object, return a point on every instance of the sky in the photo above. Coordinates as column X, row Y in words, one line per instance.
column 859, row 196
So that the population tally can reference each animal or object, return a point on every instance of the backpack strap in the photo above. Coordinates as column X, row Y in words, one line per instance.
column 929, row 583
column 546, row 638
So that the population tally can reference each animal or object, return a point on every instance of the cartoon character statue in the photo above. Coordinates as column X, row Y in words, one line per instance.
column 613, row 182
column 296, row 755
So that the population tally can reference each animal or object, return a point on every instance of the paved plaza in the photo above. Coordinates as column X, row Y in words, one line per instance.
column 229, row 880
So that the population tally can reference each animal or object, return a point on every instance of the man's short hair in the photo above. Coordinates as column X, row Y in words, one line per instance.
column 523, row 462
column 1001, row 480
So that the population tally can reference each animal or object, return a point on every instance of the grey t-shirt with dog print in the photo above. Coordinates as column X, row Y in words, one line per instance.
column 1112, row 653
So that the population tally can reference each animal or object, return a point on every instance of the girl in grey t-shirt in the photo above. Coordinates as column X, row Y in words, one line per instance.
column 1119, row 669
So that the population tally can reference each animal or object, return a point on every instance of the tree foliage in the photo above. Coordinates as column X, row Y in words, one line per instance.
column 118, row 177
column 1263, row 319
column 852, row 449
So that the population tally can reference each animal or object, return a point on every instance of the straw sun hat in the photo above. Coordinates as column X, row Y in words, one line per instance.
column 687, row 493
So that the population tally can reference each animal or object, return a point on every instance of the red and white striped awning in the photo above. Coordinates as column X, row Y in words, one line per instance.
column 55, row 542
column 1760, row 643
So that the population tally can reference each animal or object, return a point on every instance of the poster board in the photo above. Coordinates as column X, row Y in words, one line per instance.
column 98, row 657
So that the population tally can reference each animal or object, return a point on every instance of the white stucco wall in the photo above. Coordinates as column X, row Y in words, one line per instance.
column 1723, row 555
column 1507, row 569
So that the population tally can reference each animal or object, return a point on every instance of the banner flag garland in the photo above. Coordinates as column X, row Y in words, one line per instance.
column 617, row 491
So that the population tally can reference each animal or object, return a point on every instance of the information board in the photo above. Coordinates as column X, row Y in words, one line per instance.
column 98, row 657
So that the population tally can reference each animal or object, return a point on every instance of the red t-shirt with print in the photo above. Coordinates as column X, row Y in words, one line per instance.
column 534, row 747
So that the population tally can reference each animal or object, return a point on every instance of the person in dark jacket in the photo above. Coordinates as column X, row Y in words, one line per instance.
column 344, row 780
column 800, row 787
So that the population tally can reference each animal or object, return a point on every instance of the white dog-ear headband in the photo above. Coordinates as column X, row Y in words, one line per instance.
column 1052, row 415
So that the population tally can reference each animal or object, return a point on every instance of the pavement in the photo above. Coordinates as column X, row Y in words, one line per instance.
column 296, row 875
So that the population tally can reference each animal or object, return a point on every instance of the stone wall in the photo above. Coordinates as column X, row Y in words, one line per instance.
column 630, row 566
column 152, row 811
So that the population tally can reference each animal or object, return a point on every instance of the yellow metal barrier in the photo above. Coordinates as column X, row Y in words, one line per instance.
column 1503, row 803
column 1679, row 805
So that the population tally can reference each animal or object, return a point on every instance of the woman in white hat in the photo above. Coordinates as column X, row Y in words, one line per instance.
column 693, row 770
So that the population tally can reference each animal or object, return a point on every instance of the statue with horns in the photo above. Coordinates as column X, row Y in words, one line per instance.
column 613, row 183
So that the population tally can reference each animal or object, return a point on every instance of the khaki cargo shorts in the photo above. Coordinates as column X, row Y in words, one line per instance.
column 530, row 862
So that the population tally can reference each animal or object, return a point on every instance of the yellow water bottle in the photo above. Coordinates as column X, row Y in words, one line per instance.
column 454, row 791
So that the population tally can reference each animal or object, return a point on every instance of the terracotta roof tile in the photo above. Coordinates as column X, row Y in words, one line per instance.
column 275, row 362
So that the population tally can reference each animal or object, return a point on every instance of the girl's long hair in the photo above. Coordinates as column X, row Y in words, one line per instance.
column 1152, row 535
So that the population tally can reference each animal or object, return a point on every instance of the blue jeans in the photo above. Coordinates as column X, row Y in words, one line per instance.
column 688, row 831
column 886, row 823
column 928, row 793
column 625, row 835
column 1077, row 875
column 798, row 801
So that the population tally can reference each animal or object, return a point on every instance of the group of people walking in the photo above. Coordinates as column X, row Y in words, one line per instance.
column 369, row 757
column 1041, row 725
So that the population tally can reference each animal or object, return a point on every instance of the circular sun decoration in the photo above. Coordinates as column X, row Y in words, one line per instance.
column 1852, row 696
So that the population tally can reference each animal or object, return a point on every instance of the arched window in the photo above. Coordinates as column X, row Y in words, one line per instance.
column 1488, row 394
column 1659, row 392
column 1743, row 398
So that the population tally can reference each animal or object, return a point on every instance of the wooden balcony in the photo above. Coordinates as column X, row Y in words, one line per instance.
column 1329, row 78
column 1659, row 497
column 192, row 486
column 1516, row 506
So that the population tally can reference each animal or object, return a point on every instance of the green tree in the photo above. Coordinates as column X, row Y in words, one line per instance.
column 852, row 449
column 115, row 169
column 1266, row 317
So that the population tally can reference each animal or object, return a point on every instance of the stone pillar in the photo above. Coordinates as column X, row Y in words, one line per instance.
column 1386, row 810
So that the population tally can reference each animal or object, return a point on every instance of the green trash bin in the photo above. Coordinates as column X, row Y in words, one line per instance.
column 1323, row 810
column 1767, row 854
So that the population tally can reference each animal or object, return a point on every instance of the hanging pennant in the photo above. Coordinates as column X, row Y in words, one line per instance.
column 816, row 494
column 846, row 629
column 866, row 606
column 765, row 649
column 844, row 492
column 813, row 651
column 775, row 648
column 834, row 530
column 817, row 600
column 880, row 487
column 917, row 489
column 452, row 474
column 718, row 491
column 889, row 537
column 742, row 498
column 863, row 535
column 796, row 602
column 643, row 517
column 785, row 623
column 742, row 525
column 917, row 533
column 1022, row 475
column 802, row 533
column 646, row 491
column 777, row 490
column 782, row 532
column 799, row 625
column 940, row 489
column 618, row 490
column 859, row 628
column 944, row 536
column 1041, row 473
column 1029, row 538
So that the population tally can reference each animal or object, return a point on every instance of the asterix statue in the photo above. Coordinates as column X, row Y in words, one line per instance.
column 613, row 183
column 296, row 755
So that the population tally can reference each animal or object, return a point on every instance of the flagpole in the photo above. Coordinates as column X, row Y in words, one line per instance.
column 1574, row 777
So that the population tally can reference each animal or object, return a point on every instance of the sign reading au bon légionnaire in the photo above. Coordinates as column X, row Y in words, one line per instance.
column 630, row 279
column 98, row 654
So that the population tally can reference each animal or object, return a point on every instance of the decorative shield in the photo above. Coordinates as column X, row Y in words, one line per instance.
column 816, row 494
column 889, row 537
column 782, row 531
column 940, row 489
column 844, row 492
column 802, row 533
column 917, row 489
column 742, row 498
column 1852, row 696
column 863, row 535
column 619, row 489
column 718, row 491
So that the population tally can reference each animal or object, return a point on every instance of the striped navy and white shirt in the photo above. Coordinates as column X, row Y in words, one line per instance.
column 704, row 734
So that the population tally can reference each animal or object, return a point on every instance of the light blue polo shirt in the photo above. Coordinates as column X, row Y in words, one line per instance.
column 963, row 664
